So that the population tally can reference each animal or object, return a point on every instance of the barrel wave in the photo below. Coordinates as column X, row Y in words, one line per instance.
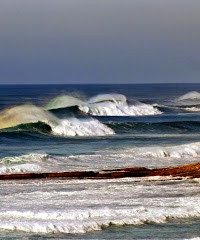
column 29, row 114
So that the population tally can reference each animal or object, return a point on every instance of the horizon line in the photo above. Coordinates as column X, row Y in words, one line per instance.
column 154, row 83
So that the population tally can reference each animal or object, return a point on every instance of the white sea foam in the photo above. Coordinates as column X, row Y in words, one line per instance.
column 88, row 205
column 178, row 151
column 192, row 109
column 119, row 109
column 20, row 168
column 82, row 127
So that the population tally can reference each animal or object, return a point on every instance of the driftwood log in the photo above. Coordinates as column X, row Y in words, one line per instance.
column 190, row 170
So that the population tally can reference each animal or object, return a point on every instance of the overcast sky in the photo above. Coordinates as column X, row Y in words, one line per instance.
column 99, row 41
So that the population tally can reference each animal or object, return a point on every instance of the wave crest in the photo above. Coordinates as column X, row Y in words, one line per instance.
column 104, row 105
column 26, row 114
column 119, row 109
column 193, row 95
column 63, row 101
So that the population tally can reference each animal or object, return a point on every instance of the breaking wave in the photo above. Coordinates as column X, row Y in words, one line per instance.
column 25, row 114
column 63, row 101
column 189, row 102
column 112, row 97
column 190, row 96
column 104, row 105
column 28, row 114
column 82, row 127
column 119, row 109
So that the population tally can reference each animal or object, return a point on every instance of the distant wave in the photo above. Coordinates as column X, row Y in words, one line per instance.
column 189, row 102
column 29, row 114
column 111, row 97
column 104, row 105
column 190, row 96
column 63, row 101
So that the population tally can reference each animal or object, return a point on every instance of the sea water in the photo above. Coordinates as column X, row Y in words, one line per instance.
column 54, row 128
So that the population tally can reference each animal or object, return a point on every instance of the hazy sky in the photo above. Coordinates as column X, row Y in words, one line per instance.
column 99, row 41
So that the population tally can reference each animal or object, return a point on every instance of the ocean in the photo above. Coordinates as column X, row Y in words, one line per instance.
column 56, row 128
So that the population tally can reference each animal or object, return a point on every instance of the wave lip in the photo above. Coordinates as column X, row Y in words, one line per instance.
column 110, row 97
column 63, row 101
column 25, row 114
